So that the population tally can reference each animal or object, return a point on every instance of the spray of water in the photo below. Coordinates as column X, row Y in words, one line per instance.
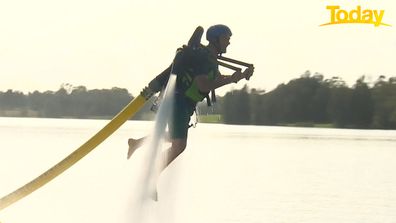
column 142, row 205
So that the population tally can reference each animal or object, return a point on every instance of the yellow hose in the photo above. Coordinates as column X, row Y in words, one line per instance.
column 130, row 110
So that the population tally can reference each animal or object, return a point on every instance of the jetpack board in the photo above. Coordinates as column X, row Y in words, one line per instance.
column 129, row 111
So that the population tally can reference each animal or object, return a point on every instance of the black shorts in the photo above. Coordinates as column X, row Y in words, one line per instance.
column 182, row 111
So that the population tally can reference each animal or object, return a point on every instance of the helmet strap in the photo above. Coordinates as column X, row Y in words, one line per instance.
column 217, row 45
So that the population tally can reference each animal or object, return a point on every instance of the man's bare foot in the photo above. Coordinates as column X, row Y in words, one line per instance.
column 133, row 145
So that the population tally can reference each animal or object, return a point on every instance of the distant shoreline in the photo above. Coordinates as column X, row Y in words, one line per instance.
column 217, row 119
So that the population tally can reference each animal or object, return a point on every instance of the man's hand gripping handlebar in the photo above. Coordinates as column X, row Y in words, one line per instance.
column 238, row 75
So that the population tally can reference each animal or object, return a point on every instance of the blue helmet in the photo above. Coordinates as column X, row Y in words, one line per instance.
column 214, row 32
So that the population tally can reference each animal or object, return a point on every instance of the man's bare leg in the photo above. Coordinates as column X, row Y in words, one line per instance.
column 177, row 147
column 169, row 155
column 134, row 144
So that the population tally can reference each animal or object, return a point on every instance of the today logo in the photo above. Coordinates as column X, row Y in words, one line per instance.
column 367, row 16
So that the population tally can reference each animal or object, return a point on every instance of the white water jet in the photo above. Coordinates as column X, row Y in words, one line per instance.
column 142, row 209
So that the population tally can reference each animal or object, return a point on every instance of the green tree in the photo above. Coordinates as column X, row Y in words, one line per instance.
column 362, row 105
column 237, row 107
column 12, row 100
column 384, row 96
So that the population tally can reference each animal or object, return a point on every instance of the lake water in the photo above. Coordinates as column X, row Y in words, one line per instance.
column 238, row 174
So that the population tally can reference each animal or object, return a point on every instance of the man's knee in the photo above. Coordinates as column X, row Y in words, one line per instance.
column 179, row 145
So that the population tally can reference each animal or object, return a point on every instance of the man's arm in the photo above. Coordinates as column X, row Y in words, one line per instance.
column 206, row 85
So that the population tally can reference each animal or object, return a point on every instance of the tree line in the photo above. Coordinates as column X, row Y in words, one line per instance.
column 311, row 100
column 77, row 102
column 307, row 100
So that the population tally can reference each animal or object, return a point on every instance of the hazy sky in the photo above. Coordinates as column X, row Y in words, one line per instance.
column 125, row 43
